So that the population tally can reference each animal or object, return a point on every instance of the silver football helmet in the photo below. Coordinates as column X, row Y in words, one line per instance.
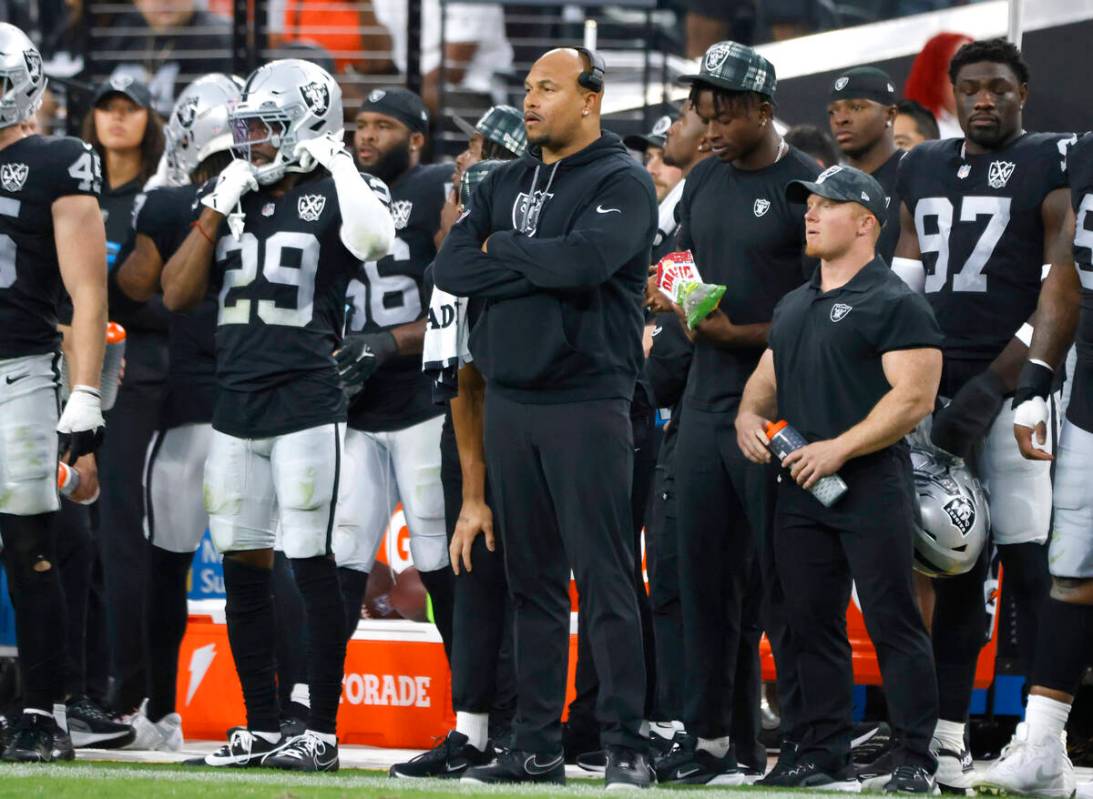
column 22, row 81
column 955, row 514
column 198, row 125
column 284, row 103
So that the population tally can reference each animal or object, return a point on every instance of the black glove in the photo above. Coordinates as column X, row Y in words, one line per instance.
column 961, row 424
column 361, row 355
column 1036, row 380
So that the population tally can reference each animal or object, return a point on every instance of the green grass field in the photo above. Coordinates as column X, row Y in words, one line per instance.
column 86, row 780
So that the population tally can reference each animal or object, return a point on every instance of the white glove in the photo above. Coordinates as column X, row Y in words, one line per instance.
column 235, row 181
column 1031, row 413
column 321, row 150
column 81, row 425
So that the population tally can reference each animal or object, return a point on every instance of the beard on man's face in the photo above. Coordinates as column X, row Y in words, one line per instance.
column 393, row 164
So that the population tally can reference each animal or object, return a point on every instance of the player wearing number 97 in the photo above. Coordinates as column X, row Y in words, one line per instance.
column 300, row 219
column 980, row 218
column 51, row 241
column 392, row 446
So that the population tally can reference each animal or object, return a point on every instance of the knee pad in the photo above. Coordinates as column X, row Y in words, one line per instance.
column 28, row 469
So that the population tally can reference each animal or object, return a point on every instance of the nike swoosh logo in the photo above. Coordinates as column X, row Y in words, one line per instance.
column 656, row 331
column 458, row 767
column 682, row 775
column 531, row 766
column 16, row 378
column 601, row 210
column 1041, row 777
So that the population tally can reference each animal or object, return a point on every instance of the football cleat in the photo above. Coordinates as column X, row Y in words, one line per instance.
column 243, row 750
column 627, row 769
column 808, row 774
column 1029, row 769
column 912, row 779
column 955, row 770
column 307, row 752
column 90, row 726
column 449, row 759
column 516, row 766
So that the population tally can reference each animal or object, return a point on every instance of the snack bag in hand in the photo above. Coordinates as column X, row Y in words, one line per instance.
column 678, row 279
column 673, row 270
column 699, row 300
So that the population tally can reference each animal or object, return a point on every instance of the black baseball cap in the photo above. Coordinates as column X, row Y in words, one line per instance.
column 654, row 138
column 864, row 83
column 501, row 124
column 126, row 86
column 843, row 184
column 736, row 67
column 401, row 104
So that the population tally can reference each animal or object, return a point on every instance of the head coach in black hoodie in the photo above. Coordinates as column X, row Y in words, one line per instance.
column 558, row 244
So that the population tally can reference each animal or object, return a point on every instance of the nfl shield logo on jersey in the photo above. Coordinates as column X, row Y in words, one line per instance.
column 317, row 97
column 400, row 212
column 310, row 207
column 962, row 512
column 999, row 174
column 964, row 171
column 526, row 211
column 268, row 209
column 761, row 207
column 13, row 176
column 839, row 311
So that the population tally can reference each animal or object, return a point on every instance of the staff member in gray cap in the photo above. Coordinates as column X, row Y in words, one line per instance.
column 853, row 363
column 651, row 147
column 557, row 243
column 862, row 112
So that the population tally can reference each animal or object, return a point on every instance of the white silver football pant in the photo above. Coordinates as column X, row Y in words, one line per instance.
column 252, row 484
column 382, row 469
column 174, row 471
column 1071, row 550
column 28, row 434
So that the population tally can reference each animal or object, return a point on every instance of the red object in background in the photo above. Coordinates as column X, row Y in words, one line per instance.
column 929, row 77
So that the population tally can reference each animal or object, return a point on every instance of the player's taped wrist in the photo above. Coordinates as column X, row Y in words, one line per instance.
column 1036, row 380
column 81, row 424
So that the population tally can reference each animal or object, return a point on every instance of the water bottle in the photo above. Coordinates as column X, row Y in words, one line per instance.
column 68, row 478
column 782, row 440
column 111, row 364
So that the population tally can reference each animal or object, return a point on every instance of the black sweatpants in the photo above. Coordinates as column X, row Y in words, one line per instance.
column 866, row 538
column 582, row 709
column 661, row 555
column 120, row 536
column 483, row 665
column 561, row 478
column 722, row 502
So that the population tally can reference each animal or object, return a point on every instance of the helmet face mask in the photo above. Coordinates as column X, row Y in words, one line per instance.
column 283, row 103
column 22, row 81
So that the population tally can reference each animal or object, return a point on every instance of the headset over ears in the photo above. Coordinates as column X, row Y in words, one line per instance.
column 592, row 78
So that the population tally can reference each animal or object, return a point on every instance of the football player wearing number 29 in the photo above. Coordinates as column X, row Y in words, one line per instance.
column 52, row 241
column 981, row 218
column 300, row 219
column 392, row 446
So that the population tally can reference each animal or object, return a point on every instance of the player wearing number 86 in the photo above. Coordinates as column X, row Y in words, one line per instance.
column 300, row 219
column 981, row 217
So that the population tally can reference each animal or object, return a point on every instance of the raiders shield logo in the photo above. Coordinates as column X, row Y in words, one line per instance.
column 760, row 207
column 13, row 176
column 400, row 212
column 715, row 56
column 999, row 173
column 526, row 211
column 962, row 512
column 34, row 65
column 310, row 207
column 317, row 97
column 839, row 311
column 840, row 84
column 187, row 112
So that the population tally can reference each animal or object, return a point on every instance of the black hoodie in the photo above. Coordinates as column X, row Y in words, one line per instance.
column 569, row 248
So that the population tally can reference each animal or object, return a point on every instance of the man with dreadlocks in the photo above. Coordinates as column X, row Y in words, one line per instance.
column 744, row 234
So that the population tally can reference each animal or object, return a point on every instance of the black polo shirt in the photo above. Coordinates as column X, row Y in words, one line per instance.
column 828, row 347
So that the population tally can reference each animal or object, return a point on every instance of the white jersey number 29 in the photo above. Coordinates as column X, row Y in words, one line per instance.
column 969, row 276
column 274, row 270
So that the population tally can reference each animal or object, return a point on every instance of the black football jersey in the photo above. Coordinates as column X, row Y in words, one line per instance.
column 164, row 216
column 747, row 237
column 392, row 292
column 34, row 172
column 887, row 175
column 981, row 234
column 281, row 309
column 1080, row 169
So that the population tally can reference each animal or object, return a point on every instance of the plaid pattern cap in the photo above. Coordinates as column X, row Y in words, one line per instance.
column 737, row 67
column 501, row 124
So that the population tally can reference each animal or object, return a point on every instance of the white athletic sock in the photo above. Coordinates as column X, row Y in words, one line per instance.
column 268, row 737
column 643, row 730
column 301, row 694
column 950, row 734
column 1046, row 718
column 60, row 715
column 476, row 726
column 325, row 737
column 718, row 747
column 665, row 729
column 34, row 711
